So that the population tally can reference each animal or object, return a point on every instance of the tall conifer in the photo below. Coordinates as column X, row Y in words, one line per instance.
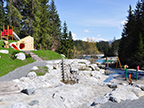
column 55, row 28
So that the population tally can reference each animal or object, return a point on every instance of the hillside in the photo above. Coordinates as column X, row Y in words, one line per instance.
column 8, row 63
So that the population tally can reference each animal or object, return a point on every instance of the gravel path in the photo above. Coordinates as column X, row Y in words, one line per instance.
column 125, row 104
column 21, row 71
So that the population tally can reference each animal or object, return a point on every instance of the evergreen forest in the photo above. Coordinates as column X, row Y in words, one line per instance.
column 131, row 46
column 39, row 19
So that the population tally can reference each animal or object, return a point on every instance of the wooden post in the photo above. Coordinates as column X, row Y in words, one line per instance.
column 12, row 32
column 106, row 62
column 116, row 64
column 7, row 32
column 118, row 61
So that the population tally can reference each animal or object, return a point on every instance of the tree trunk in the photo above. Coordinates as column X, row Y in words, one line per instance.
column 40, row 46
column 68, row 53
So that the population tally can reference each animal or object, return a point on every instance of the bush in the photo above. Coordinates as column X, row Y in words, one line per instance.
column 12, row 55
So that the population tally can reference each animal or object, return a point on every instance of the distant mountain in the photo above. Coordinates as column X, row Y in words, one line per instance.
column 110, row 41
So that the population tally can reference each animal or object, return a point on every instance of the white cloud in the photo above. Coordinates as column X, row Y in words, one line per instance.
column 74, row 36
column 122, row 24
column 86, row 31
column 94, row 38
column 99, row 35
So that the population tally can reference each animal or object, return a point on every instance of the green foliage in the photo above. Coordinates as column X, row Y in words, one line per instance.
column 66, row 41
column 2, row 15
column 7, row 64
column 131, row 47
column 48, row 55
column 82, row 47
column 12, row 56
column 41, row 70
column 39, row 19
column 55, row 27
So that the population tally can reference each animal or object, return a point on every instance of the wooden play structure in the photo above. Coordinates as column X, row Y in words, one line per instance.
column 117, row 62
column 25, row 44
column 6, row 33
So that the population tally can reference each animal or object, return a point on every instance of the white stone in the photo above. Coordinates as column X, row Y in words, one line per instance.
column 24, row 79
column 62, row 55
column 34, row 68
column 100, row 100
column 50, row 67
column 20, row 56
column 4, row 51
column 140, row 86
column 32, row 75
column 29, row 90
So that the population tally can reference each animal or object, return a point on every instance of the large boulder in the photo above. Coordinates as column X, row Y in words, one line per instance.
column 34, row 68
column 100, row 100
column 32, row 75
column 123, row 93
column 29, row 90
column 4, row 51
column 50, row 67
column 20, row 56
column 140, row 86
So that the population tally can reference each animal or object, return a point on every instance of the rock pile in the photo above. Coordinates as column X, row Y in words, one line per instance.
column 49, row 91
column 121, row 93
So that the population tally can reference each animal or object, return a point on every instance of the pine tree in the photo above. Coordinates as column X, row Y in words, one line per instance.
column 64, row 41
column 41, row 25
column 12, row 15
column 71, row 44
column 16, row 16
column 55, row 28
column 138, row 56
column 2, row 15
column 125, row 51
column 28, row 17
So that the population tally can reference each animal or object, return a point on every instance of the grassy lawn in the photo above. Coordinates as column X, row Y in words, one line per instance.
column 7, row 64
column 48, row 55
column 42, row 70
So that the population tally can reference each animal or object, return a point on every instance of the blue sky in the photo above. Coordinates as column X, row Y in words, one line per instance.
column 96, row 19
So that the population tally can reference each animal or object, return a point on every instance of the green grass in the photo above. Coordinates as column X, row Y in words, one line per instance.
column 41, row 71
column 48, row 55
column 7, row 64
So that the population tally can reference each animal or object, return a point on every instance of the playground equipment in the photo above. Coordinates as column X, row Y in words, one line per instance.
column 6, row 33
column 130, row 80
column 117, row 61
column 15, row 36
column 125, row 67
column 25, row 44
column 137, row 72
